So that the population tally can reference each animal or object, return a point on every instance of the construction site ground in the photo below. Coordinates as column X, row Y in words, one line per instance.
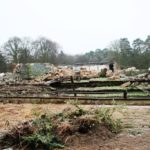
column 134, row 136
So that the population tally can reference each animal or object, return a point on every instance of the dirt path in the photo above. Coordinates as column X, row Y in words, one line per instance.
column 135, row 135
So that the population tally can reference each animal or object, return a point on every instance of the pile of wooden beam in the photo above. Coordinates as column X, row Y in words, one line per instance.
column 84, row 73
column 55, row 75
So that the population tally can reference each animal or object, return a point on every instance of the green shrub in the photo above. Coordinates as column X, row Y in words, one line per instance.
column 42, row 135
column 104, row 115
column 50, row 131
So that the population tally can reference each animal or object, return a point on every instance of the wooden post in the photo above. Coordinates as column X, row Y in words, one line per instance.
column 73, row 87
column 125, row 94
column 57, row 92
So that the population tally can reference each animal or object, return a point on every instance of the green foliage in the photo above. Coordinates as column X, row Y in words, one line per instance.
column 105, row 116
column 28, row 69
column 76, row 113
column 3, row 67
column 36, row 111
column 79, row 111
column 44, row 135
column 73, row 102
column 50, row 131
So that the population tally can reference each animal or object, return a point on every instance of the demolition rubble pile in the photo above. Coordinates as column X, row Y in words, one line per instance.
column 61, row 74
column 84, row 73
column 134, row 73
column 7, row 78
column 128, row 74
column 57, row 75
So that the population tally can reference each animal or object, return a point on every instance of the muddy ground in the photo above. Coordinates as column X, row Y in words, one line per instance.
column 134, row 136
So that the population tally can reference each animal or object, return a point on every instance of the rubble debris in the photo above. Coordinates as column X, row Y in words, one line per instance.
column 126, row 84
column 58, row 74
column 47, row 74
column 1, row 75
column 128, row 74
column 109, row 73
column 7, row 78
column 143, row 75
column 61, row 74
column 85, row 74
column 103, row 72
column 143, row 90
column 132, row 69
column 117, row 75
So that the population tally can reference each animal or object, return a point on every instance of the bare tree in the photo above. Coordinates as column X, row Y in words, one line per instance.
column 19, row 50
column 3, row 67
column 12, row 48
column 25, row 53
column 45, row 50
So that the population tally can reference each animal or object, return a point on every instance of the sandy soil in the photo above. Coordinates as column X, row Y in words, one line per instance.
column 135, row 135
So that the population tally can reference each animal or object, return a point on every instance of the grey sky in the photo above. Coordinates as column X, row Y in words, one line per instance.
column 77, row 25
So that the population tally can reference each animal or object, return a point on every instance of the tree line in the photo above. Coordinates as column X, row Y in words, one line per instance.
column 43, row 50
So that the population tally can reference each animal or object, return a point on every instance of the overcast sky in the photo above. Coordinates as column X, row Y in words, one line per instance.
column 77, row 25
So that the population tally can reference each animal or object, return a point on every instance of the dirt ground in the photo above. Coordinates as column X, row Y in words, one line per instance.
column 135, row 134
